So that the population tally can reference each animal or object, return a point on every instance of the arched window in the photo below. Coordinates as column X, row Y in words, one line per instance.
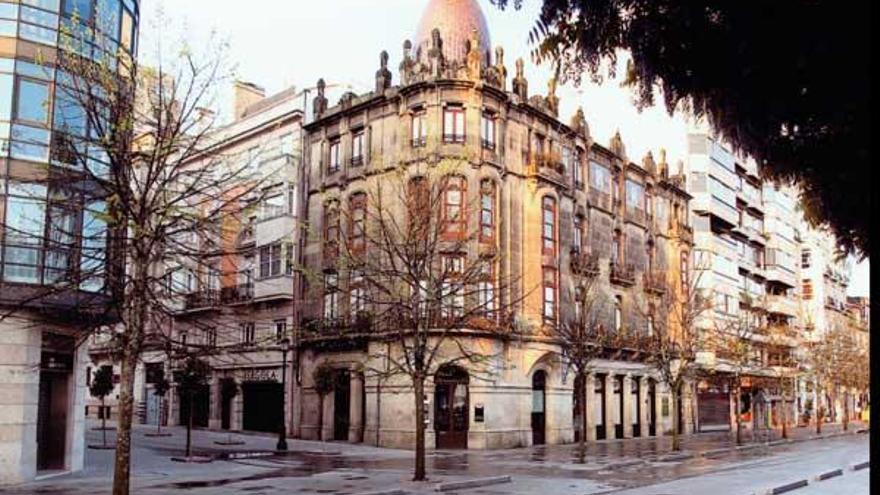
column 548, row 232
column 487, row 211
column 357, row 233
column 454, row 217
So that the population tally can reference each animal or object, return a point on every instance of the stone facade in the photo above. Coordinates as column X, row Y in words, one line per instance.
column 633, row 216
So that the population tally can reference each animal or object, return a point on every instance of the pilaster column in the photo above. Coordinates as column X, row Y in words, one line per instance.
column 643, row 406
column 355, row 414
column 590, row 409
column 626, row 414
column 610, row 405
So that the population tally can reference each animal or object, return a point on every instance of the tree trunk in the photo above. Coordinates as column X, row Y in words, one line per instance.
column 738, row 416
column 419, row 385
column 122, row 468
column 189, row 423
column 845, row 411
column 103, row 422
column 676, row 441
column 582, row 393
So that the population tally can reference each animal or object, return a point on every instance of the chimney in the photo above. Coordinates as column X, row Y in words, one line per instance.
column 204, row 119
column 246, row 94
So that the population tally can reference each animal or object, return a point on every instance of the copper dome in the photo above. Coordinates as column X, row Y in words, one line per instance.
column 456, row 20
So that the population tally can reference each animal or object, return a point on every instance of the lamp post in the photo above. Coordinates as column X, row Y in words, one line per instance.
column 282, row 429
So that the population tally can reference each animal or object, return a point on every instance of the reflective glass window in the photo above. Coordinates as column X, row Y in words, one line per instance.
column 6, row 84
column 32, row 101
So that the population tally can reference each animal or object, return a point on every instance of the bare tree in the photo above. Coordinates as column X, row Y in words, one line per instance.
column 583, row 340
column 826, row 362
column 141, row 194
column 734, row 345
column 678, row 313
column 420, row 279
column 781, row 343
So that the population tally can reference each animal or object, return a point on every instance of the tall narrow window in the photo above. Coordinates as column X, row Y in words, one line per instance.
column 486, row 290
column 807, row 289
column 357, row 148
column 577, row 167
column 452, row 289
column 270, row 260
column 419, row 129
column 685, row 273
column 487, row 211
column 618, row 314
column 418, row 207
column 487, row 130
column 600, row 185
column 806, row 256
column 550, row 292
column 578, row 237
column 357, row 223
column 280, row 329
column 211, row 336
column 453, row 207
column 453, row 124
column 248, row 333
column 331, row 296
column 333, row 164
column 548, row 231
column 356, row 293
column 331, row 230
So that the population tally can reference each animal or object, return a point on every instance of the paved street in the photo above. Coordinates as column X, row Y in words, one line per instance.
column 636, row 467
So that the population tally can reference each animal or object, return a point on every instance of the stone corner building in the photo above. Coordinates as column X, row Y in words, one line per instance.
column 558, row 206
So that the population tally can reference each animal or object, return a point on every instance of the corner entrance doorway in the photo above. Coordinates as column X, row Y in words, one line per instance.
column 341, row 405
column 539, row 382
column 451, row 409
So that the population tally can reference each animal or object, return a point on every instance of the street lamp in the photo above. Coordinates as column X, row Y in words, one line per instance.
column 282, row 430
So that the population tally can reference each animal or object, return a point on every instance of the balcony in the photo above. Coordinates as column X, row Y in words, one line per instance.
column 585, row 264
column 487, row 144
column 274, row 288
column 599, row 198
column 237, row 294
column 779, row 274
column 202, row 299
column 654, row 282
column 419, row 142
column 621, row 274
column 357, row 161
column 784, row 305
column 636, row 215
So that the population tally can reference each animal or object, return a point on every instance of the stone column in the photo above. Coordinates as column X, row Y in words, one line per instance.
column 610, row 405
column 643, row 402
column 626, row 414
column 355, row 416
column 592, row 404
column 660, row 421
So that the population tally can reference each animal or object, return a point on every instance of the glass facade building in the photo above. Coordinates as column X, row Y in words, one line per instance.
column 39, row 123
column 53, row 235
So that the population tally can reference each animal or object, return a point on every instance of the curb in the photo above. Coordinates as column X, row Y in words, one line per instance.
column 794, row 485
column 245, row 455
column 625, row 464
column 384, row 492
column 474, row 483
column 675, row 457
column 828, row 475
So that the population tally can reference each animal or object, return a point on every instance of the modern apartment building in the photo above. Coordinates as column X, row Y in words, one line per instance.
column 746, row 253
column 557, row 208
column 42, row 326
column 236, row 307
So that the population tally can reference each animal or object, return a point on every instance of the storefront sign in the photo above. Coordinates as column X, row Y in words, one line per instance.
column 259, row 375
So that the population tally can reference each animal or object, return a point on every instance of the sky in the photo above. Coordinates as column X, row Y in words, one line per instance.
column 281, row 43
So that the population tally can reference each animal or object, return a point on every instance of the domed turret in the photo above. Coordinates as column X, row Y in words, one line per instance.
column 456, row 20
